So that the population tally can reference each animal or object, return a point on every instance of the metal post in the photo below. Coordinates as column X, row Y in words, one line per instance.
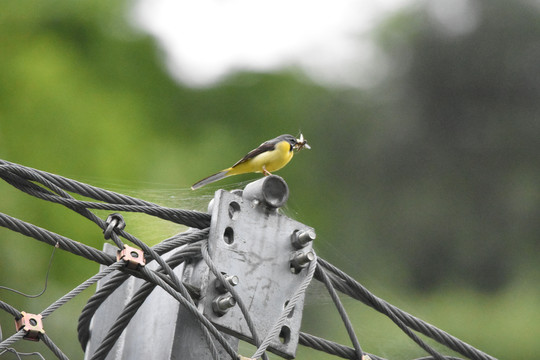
column 263, row 254
column 161, row 328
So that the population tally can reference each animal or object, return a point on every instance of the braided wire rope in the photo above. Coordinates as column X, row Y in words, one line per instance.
column 234, row 293
column 189, row 252
column 53, row 239
column 10, row 309
column 335, row 298
column 54, row 306
column 185, row 299
column 77, row 187
column 83, row 326
column 331, row 347
column 52, row 346
column 12, row 339
column 49, row 237
column 20, row 176
column 353, row 288
column 117, row 279
column 403, row 326
column 55, row 188
column 300, row 291
column 79, row 289
column 193, row 310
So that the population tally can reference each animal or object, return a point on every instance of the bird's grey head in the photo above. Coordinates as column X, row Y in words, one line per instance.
column 296, row 144
column 288, row 138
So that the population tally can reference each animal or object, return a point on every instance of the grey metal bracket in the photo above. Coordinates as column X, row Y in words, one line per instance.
column 265, row 252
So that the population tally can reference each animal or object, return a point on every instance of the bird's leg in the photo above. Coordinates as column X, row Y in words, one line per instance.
column 266, row 172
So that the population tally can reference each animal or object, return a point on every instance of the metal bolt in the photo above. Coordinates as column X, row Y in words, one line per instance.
column 223, row 303
column 301, row 260
column 231, row 279
column 300, row 238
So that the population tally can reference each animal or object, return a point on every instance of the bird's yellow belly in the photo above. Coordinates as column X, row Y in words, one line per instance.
column 270, row 160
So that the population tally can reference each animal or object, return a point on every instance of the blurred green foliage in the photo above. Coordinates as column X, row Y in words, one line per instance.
column 426, row 187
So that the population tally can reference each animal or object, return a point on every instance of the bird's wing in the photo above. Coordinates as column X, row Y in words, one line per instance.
column 264, row 147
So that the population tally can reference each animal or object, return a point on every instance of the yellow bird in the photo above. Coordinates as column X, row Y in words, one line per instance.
column 270, row 156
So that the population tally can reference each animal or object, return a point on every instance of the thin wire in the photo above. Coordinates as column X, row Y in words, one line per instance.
column 20, row 354
column 79, row 289
column 46, row 279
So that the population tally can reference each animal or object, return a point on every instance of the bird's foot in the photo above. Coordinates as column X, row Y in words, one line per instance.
column 266, row 172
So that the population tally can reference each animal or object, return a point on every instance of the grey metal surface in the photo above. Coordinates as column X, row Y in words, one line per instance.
column 251, row 239
column 147, row 332
column 161, row 328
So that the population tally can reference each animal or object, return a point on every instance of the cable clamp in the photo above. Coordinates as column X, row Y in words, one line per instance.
column 132, row 256
column 114, row 221
column 32, row 324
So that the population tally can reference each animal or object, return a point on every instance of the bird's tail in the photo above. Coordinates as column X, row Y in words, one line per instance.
column 210, row 179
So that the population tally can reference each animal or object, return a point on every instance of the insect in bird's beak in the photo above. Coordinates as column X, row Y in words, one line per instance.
column 301, row 143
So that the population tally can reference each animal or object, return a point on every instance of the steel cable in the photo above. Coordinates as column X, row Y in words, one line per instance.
column 116, row 280
column 335, row 298
column 234, row 293
column 19, row 176
column 351, row 287
column 55, row 188
column 274, row 331
column 137, row 300
column 52, row 346
column 51, row 238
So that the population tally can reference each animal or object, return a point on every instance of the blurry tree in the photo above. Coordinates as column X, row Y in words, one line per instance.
column 453, row 168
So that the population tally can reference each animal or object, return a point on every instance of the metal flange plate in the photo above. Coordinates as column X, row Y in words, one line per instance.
column 253, row 242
